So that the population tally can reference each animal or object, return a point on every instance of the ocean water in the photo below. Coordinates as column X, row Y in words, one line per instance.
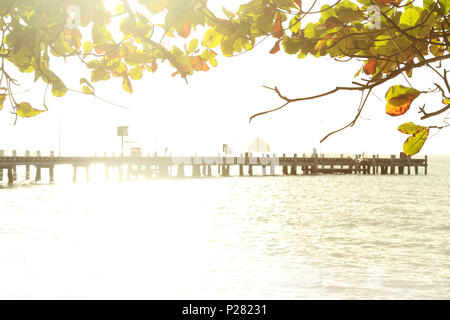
column 302, row 237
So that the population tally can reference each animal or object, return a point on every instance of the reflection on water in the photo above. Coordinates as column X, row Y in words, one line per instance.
column 262, row 238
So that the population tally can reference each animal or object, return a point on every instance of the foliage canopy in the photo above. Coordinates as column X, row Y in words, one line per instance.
column 392, row 38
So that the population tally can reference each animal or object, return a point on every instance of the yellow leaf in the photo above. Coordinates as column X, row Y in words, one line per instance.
column 2, row 100
column 126, row 84
column 415, row 143
column 87, row 47
column 136, row 73
column 25, row 110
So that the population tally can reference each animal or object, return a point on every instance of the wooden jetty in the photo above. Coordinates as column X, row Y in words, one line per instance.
column 153, row 166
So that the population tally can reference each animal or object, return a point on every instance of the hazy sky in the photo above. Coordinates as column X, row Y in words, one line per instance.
column 214, row 108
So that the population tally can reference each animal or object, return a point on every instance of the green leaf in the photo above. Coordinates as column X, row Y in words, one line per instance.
column 445, row 5
column 265, row 24
column 155, row 6
column 415, row 143
column 398, row 95
column 410, row 128
column 100, row 74
column 193, row 45
column 100, row 34
column 410, row 17
column 58, row 88
column 25, row 110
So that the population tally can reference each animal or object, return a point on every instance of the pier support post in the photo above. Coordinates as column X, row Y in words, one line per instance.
column 2, row 154
column 52, row 174
column 316, row 164
column 416, row 169
column 241, row 170
column 87, row 173
column 180, row 171
column 38, row 174
column 51, row 169
column 10, row 176
column 294, row 166
column 272, row 166
column 164, row 170
column 14, row 168
column 27, row 167
column 374, row 165
column 225, row 170
column 285, row 168
column 74, row 174
column 196, row 170
column 208, row 170
column 393, row 164
column 426, row 165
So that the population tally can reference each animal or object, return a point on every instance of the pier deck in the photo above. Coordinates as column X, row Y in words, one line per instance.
column 161, row 166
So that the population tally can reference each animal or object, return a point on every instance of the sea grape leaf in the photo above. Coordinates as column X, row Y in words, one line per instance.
column 276, row 47
column 2, row 100
column 399, row 99
column 415, row 142
column 410, row 128
column 59, row 89
column 277, row 27
column 136, row 73
column 155, row 6
column 25, row 110
column 185, row 31
column 126, row 84
column 370, row 67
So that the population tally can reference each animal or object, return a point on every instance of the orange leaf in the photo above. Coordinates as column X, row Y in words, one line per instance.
column 277, row 28
column 370, row 67
column 398, row 110
column 186, row 30
column 276, row 47
column 298, row 3
column 198, row 63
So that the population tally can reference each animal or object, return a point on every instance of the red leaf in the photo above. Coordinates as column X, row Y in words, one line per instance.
column 277, row 28
column 276, row 47
column 370, row 67
column 186, row 30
